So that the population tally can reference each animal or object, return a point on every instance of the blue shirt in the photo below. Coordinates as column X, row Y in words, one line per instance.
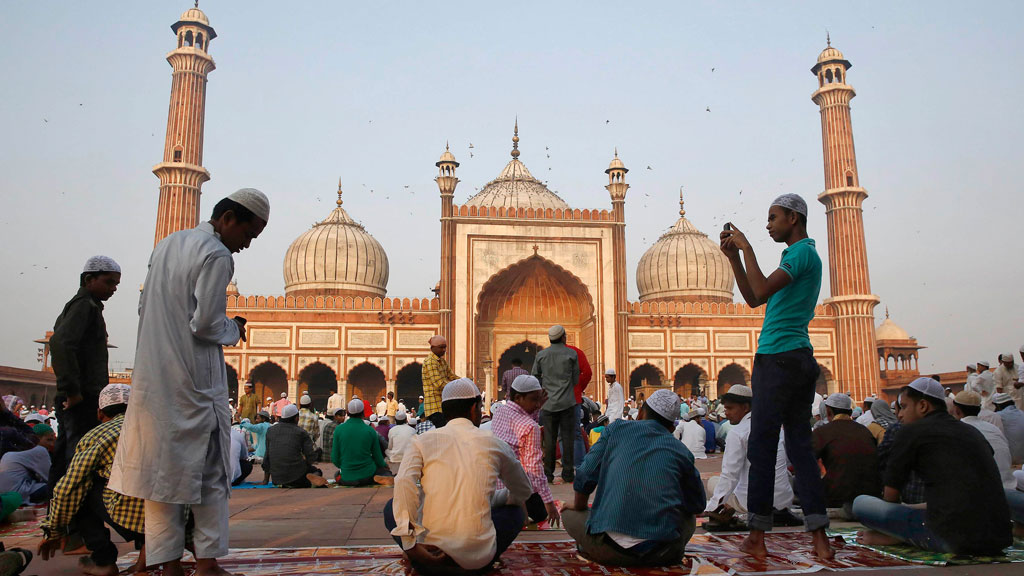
column 791, row 309
column 645, row 479
column 710, row 445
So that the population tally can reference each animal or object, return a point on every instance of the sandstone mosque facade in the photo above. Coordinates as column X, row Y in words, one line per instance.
column 516, row 258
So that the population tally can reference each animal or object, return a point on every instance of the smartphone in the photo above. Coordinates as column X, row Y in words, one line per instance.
column 727, row 227
column 240, row 320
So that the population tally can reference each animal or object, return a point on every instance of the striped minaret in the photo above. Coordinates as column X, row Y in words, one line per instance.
column 181, row 172
column 852, row 300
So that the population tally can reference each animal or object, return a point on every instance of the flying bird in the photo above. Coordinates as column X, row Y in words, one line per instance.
column 708, row 108
column 470, row 144
column 607, row 121
column 649, row 168
column 712, row 69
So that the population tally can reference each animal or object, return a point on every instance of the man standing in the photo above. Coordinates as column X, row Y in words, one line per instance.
column 508, row 376
column 848, row 452
column 985, row 385
column 392, row 407
column 557, row 367
column 79, row 350
column 785, row 371
column 175, row 450
column 279, row 406
column 616, row 399
column 335, row 401
column 248, row 404
column 381, row 409
column 1005, row 378
column 436, row 374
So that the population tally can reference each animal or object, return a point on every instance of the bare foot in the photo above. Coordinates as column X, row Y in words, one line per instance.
column 753, row 545
column 87, row 566
column 872, row 538
column 821, row 546
column 316, row 481
column 210, row 567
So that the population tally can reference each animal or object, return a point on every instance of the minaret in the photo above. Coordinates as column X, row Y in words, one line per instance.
column 617, row 188
column 852, row 300
column 181, row 172
column 446, row 183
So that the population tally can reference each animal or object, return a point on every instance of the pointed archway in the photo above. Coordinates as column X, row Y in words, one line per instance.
column 524, row 352
column 690, row 380
column 732, row 374
column 320, row 381
column 366, row 382
column 232, row 382
column 409, row 384
column 644, row 376
column 269, row 381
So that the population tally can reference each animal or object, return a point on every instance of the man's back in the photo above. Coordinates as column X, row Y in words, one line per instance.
column 847, row 449
column 557, row 368
column 289, row 452
column 1013, row 427
column 1000, row 449
column 693, row 436
column 356, row 450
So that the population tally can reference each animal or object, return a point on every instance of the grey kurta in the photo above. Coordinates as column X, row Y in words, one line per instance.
column 179, row 385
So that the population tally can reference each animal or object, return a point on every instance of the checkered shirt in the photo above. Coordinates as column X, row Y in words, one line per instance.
column 93, row 455
column 520, row 431
column 436, row 374
column 309, row 422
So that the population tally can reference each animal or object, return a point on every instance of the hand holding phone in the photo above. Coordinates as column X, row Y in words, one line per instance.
column 241, row 326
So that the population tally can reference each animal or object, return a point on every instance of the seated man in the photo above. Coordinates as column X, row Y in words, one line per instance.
column 628, row 525
column 310, row 422
column 966, row 510
column 848, row 452
column 1013, row 424
column 448, row 515
column 27, row 472
column 337, row 417
column 258, row 431
column 289, row 458
column 692, row 434
column 356, row 451
column 728, row 502
column 966, row 406
column 82, row 495
column 710, row 446
column 516, row 424
column 241, row 466
column 398, row 438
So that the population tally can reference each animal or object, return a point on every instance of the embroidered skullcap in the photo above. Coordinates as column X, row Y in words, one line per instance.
column 284, row 394
column 840, row 401
column 609, row 372
column 556, row 332
column 1002, row 398
column 289, row 411
column 305, row 400
column 739, row 393
column 113, row 394
column 101, row 264
column 41, row 430
column 525, row 383
column 984, row 363
column 929, row 387
column 701, row 412
column 355, row 406
column 791, row 202
column 967, row 398
column 665, row 403
column 254, row 200
column 460, row 389
column 401, row 415
column 373, row 417
column 264, row 413
column 337, row 410
column 1006, row 357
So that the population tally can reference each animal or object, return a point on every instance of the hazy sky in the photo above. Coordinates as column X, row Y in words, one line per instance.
column 305, row 92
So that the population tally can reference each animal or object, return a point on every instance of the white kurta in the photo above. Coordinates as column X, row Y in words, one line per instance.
column 736, row 468
column 179, row 385
column 616, row 402
column 692, row 435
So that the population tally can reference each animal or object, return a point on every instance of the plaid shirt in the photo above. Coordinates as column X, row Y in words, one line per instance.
column 424, row 427
column 520, row 431
column 309, row 422
column 93, row 456
column 328, row 440
column 436, row 374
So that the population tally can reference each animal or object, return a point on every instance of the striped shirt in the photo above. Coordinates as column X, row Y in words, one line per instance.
column 522, row 433
column 645, row 479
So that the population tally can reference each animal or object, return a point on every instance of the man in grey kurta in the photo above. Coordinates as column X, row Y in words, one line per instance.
column 175, row 446
column 558, row 369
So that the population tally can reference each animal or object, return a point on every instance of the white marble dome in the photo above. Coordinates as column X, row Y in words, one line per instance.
column 336, row 257
column 684, row 264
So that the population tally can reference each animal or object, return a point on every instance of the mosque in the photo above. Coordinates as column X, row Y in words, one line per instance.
column 515, row 259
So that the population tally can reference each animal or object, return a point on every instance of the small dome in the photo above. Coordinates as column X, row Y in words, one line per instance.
column 684, row 264
column 232, row 289
column 515, row 187
column 336, row 257
column 447, row 157
column 195, row 15
column 830, row 54
column 889, row 330
column 616, row 164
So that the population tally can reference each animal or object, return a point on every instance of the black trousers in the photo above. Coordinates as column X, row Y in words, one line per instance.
column 73, row 423
column 560, row 425
column 90, row 521
column 246, row 467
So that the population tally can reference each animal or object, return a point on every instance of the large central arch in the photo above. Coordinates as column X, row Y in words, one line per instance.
column 519, row 304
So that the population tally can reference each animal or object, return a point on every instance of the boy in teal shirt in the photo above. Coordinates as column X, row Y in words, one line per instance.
column 785, row 371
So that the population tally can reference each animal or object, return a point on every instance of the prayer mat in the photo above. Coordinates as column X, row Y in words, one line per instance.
column 250, row 485
column 30, row 526
column 918, row 556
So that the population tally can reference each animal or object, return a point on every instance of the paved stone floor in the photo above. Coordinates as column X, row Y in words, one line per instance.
column 274, row 518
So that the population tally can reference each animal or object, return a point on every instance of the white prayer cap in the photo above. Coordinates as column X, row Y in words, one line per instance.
column 401, row 415
column 254, row 200
column 556, row 332
column 840, row 401
column 929, row 387
column 336, row 410
column 101, row 264
column 700, row 411
column 355, row 406
column 1022, row 349
column 289, row 411
column 460, row 389
column 421, row 397
column 1002, row 398
column 634, row 413
column 264, row 413
column 37, row 418
column 413, row 420
column 609, row 372
column 373, row 417
column 113, row 394
column 1006, row 357
column 967, row 398
column 739, row 393
column 525, row 383
column 284, row 394
column 249, row 384
column 791, row 202
column 305, row 400
column 973, row 367
column 984, row 363
column 665, row 403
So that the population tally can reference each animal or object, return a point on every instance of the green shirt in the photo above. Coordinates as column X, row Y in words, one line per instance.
column 356, row 450
column 791, row 309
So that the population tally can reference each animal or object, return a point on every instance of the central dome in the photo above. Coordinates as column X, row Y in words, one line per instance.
column 336, row 257
column 684, row 264
column 516, row 188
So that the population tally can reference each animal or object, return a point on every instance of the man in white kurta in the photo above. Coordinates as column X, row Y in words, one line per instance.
column 616, row 399
column 692, row 434
column 175, row 444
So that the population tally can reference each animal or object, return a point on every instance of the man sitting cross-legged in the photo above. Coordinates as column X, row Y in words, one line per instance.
column 648, row 491
column 456, row 521
column 357, row 452
column 289, row 460
column 848, row 452
column 966, row 510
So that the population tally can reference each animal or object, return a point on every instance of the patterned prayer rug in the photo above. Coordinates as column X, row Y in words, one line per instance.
column 30, row 526
column 919, row 556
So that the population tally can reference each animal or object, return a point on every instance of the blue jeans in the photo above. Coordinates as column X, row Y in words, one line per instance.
column 898, row 521
column 783, row 386
column 1015, row 499
column 579, row 449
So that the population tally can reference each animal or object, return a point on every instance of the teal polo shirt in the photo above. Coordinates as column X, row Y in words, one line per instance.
column 791, row 309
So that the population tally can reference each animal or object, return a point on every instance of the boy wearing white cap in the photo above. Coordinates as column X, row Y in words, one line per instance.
column 785, row 371
column 176, row 447
column 78, row 348
column 848, row 451
column 447, row 514
column 616, row 398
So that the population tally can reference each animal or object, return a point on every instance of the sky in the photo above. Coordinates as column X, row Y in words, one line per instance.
column 710, row 96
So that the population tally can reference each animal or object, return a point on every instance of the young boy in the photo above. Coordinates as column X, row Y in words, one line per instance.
column 785, row 371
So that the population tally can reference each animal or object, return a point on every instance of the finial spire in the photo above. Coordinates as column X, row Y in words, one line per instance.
column 886, row 312
column 445, row 145
column 828, row 39
column 616, row 151
column 515, row 139
column 339, row 192
column 682, row 211
column 197, row 3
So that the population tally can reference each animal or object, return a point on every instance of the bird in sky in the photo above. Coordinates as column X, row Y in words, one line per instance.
column 470, row 144
column 406, row 185
column 649, row 168
column 708, row 108
column 712, row 69
column 607, row 121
